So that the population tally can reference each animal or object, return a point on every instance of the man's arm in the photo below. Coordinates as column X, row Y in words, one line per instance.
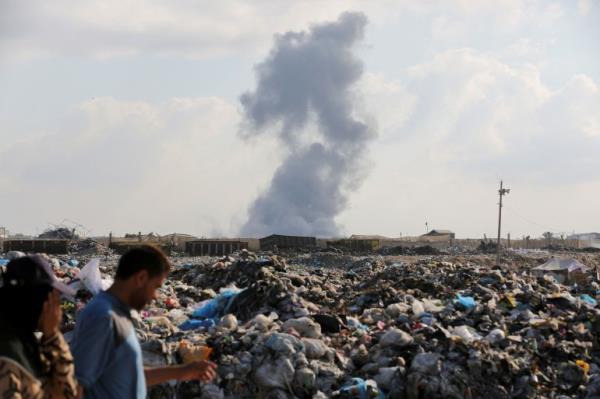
column 202, row 370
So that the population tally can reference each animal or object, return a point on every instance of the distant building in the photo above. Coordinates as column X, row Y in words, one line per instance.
column 439, row 235
column 584, row 236
column 47, row 246
column 214, row 247
column 360, row 243
column 586, row 240
column 286, row 242
column 177, row 241
column 369, row 237
column 355, row 244
column 123, row 246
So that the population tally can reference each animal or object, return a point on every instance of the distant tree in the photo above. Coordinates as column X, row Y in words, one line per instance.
column 548, row 237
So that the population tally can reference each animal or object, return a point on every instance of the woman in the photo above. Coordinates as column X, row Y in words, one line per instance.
column 29, row 302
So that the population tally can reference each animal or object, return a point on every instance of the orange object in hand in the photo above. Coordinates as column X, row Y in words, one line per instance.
column 192, row 353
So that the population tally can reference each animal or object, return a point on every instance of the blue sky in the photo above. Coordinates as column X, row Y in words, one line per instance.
column 124, row 116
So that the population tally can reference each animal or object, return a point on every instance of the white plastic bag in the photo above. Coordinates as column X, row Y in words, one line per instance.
column 468, row 334
column 90, row 276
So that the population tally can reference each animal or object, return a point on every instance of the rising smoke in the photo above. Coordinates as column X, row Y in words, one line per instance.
column 304, row 93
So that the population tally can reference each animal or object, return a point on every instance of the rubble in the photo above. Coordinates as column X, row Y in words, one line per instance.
column 88, row 246
column 59, row 233
column 319, row 325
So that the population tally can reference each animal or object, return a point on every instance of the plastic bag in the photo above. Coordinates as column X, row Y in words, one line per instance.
column 467, row 333
column 196, row 324
column 91, row 278
column 354, row 324
column 495, row 336
column 11, row 255
column 216, row 307
column 206, row 309
column 360, row 389
column 466, row 301
column 588, row 299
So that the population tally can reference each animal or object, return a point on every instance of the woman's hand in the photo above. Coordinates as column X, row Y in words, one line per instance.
column 51, row 317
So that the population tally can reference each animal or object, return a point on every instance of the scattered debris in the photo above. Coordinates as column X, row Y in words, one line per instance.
column 319, row 325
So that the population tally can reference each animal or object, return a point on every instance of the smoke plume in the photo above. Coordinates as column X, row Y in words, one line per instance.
column 304, row 93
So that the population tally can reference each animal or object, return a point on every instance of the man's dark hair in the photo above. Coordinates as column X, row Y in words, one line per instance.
column 145, row 257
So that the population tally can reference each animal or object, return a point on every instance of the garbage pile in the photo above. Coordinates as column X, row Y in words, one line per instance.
column 88, row 246
column 488, row 247
column 59, row 233
column 371, row 328
column 368, row 327
column 401, row 250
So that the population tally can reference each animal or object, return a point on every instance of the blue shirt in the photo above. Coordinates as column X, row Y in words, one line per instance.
column 107, row 353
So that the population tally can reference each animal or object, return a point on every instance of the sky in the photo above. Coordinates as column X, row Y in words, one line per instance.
column 125, row 116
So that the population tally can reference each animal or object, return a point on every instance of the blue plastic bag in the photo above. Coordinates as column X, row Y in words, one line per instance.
column 73, row 262
column 426, row 318
column 588, row 299
column 263, row 261
column 207, row 309
column 466, row 301
column 216, row 307
column 355, row 324
column 359, row 387
column 192, row 324
column 4, row 262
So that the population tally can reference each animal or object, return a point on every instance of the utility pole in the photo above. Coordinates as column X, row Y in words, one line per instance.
column 502, row 192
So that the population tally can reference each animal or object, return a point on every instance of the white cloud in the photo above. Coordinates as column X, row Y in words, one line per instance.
column 584, row 7
column 465, row 120
column 389, row 100
column 114, row 28
column 524, row 49
column 117, row 164
column 106, row 29
column 475, row 112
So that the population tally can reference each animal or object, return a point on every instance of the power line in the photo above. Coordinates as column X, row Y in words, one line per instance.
column 547, row 228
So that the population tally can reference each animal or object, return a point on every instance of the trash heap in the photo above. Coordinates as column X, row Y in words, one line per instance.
column 366, row 327
column 372, row 328
column 88, row 246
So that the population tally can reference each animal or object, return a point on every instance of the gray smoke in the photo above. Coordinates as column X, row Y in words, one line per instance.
column 307, row 77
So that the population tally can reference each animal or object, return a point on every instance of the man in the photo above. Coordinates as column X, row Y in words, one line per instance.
column 108, row 356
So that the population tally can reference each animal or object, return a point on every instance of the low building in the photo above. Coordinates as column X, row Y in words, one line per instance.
column 177, row 241
column 438, row 235
column 354, row 245
column 121, row 247
column 585, row 236
column 358, row 243
column 214, row 247
column 54, row 247
column 585, row 240
column 286, row 242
